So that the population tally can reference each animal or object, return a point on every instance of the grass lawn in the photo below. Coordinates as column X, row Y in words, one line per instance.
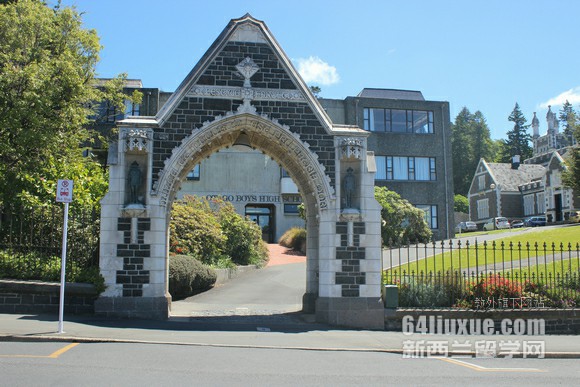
column 507, row 256
column 550, row 270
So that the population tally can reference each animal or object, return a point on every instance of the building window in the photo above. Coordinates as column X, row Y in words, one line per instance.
column 284, row 173
column 397, row 120
column 430, row 215
column 131, row 109
column 541, row 203
column 481, row 182
column 529, row 205
column 291, row 208
column 110, row 112
column 483, row 209
column 405, row 168
column 194, row 174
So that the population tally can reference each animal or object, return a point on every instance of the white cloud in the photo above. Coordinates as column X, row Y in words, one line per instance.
column 572, row 96
column 315, row 70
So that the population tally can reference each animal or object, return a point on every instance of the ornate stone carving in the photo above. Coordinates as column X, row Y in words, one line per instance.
column 351, row 148
column 255, row 94
column 136, row 140
column 264, row 131
column 247, row 68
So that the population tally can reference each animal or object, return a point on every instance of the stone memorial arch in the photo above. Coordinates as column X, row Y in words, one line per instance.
column 246, row 86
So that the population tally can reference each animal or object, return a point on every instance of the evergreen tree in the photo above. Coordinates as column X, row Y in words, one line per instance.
column 518, row 139
column 569, row 119
column 571, row 175
column 470, row 142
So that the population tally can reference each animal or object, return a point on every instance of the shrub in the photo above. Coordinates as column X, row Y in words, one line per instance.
column 243, row 242
column 497, row 287
column 195, row 230
column 188, row 276
column 423, row 295
column 402, row 222
column 294, row 238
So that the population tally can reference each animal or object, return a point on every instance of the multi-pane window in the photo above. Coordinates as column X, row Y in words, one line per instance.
column 483, row 209
column 541, row 202
column 430, row 215
column 397, row 120
column 481, row 182
column 291, row 208
column 131, row 109
column 529, row 205
column 194, row 174
column 405, row 168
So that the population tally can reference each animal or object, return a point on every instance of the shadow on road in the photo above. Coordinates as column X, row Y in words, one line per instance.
column 294, row 322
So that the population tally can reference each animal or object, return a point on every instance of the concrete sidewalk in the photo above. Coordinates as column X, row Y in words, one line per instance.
column 252, row 332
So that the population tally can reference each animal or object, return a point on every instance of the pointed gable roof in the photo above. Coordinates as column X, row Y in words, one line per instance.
column 244, row 29
column 508, row 179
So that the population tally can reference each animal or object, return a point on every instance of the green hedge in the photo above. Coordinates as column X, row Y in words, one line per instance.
column 31, row 266
column 188, row 276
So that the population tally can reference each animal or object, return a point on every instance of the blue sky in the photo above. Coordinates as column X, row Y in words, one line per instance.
column 485, row 55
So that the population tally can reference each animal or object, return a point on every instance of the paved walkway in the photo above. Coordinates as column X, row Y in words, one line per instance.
column 280, row 255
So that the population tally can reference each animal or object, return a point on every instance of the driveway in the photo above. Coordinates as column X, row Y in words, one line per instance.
column 274, row 290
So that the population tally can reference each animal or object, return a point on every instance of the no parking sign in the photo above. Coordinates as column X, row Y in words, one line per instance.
column 64, row 191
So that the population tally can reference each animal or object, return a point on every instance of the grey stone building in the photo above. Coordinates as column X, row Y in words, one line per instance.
column 532, row 188
column 410, row 138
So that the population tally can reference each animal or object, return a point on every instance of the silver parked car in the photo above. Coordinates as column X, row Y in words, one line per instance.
column 498, row 223
column 466, row 227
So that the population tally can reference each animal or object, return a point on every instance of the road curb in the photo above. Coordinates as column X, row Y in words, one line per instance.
column 76, row 339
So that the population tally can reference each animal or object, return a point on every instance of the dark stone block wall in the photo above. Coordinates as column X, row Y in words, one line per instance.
column 133, row 276
column 193, row 111
column 44, row 297
column 351, row 276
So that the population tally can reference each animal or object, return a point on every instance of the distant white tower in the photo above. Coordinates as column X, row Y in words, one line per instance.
column 536, row 126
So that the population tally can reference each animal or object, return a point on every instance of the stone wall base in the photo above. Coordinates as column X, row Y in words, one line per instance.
column 33, row 297
column 309, row 303
column 557, row 321
column 355, row 312
column 155, row 308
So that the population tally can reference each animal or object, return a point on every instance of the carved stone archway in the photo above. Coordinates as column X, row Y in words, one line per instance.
column 344, row 247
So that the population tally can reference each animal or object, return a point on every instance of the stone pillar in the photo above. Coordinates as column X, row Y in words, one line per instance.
column 133, row 236
column 350, row 248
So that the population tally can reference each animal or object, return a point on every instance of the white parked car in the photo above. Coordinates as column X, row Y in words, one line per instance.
column 498, row 223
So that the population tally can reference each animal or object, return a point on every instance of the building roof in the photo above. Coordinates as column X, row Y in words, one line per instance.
column 129, row 83
column 391, row 94
column 509, row 179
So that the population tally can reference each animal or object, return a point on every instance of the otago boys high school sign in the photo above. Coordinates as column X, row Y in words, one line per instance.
column 247, row 86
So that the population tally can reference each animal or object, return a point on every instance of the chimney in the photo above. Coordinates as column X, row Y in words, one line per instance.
column 516, row 162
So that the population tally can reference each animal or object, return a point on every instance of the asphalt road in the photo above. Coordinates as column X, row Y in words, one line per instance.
column 100, row 364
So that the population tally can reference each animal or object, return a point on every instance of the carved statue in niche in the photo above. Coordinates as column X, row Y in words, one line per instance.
column 134, row 178
column 348, row 187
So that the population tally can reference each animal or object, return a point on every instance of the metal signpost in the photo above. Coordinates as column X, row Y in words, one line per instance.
column 64, row 191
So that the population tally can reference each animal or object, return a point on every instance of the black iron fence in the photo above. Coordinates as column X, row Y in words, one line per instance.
column 485, row 275
column 31, row 241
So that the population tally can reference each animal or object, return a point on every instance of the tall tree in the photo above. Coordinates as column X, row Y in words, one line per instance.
column 569, row 119
column 470, row 142
column 518, row 139
column 47, row 79
column 571, row 175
